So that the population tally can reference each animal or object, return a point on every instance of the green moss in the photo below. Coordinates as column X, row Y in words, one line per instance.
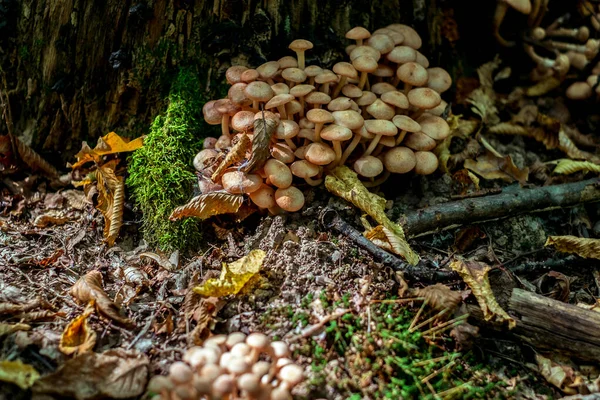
column 161, row 176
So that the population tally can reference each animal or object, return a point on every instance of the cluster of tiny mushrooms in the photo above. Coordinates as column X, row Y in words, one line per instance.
column 231, row 366
column 566, row 47
column 379, row 113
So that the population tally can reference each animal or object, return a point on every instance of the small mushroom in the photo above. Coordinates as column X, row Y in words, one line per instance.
column 289, row 199
column 237, row 182
column 426, row 162
column 300, row 46
column 378, row 127
column 336, row 134
column 306, row 170
column 278, row 173
column 264, row 197
column 359, row 34
column 368, row 166
column 399, row 160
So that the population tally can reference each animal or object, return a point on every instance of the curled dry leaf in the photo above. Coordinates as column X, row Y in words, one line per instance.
column 22, row 375
column 161, row 259
column 386, row 239
column 111, row 200
column 209, row 204
column 89, row 288
column 53, row 217
column 483, row 99
column 78, row 337
column 566, row 167
column 475, row 274
column 490, row 166
column 114, row 374
column 43, row 315
column 261, row 140
column 233, row 276
column 12, row 308
column 586, row 248
column 7, row 329
column 542, row 87
column 33, row 159
column 108, row 144
column 344, row 182
column 439, row 297
column 561, row 376
column 236, row 154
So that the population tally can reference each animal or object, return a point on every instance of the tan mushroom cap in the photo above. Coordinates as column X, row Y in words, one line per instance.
column 267, row 115
column 204, row 159
column 433, row 126
column 381, row 42
column 383, row 87
column 339, row 104
column 279, row 100
column 301, row 90
column 300, row 45
column 380, row 110
column 268, row 70
column 336, row 133
column 325, row 77
column 249, row 75
column 223, row 142
column 411, row 37
column 384, row 71
column 319, row 154
column 300, row 152
column 259, row 91
column 345, row 69
column 280, row 88
column 211, row 115
column 283, row 152
column 402, row 54
column 365, row 64
column 422, row 60
column 366, row 99
column 295, row 75
column 406, row 123
column 381, row 127
column 352, row 91
column 278, row 173
column 237, row 182
column 227, row 107
column 368, row 51
column 368, row 166
column 304, row 169
column 287, row 62
column 399, row 160
column 319, row 116
column 348, row 118
column 412, row 73
column 396, row 99
column 293, row 107
column 397, row 37
column 388, row 141
column 290, row 199
column 243, row 121
column 307, row 133
column 522, row 6
column 234, row 74
column 579, row 91
column 439, row 109
column 419, row 141
column 317, row 98
column 438, row 79
column 287, row 129
column 358, row 33
column 424, row 98
column 313, row 70
column 237, row 95
column 426, row 162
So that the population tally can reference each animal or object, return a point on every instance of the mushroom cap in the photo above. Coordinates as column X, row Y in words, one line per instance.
column 380, row 110
column 227, row 107
column 292, row 374
column 317, row 98
column 222, row 385
column 237, row 95
column 362, row 131
column 396, row 99
column 211, row 371
column 243, row 121
column 237, row 182
column 268, row 70
column 280, row 349
column 365, row 64
column 411, row 37
column 223, row 142
column 399, row 160
column 397, row 37
column 313, row 70
column 158, row 383
column 235, row 337
column 290, row 199
column 358, row 33
column 433, row 126
column 267, row 115
column 426, row 162
column 211, row 115
column 348, row 118
column 351, row 91
column 180, row 372
column 522, row 6
column 264, row 197
column 384, row 71
column 278, row 174
column 249, row 75
column 259, row 91
column 300, row 45
column 261, row 368
column 439, row 109
column 381, row 127
column 421, row 59
column 209, row 142
column 412, row 73
column 366, row 99
column 339, row 104
column 304, row 169
column 382, row 87
column 319, row 116
column 280, row 393
column 304, row 123
column 424, row 98
column 234, row 74
column 336, row 133
column 438, row 79
column 293, row 107
column 345, row 69
column 326, row 76
column 288, row 62
column 301, row 90
column 307, row 133
column 300, row 152
column 237, row 366
column 319, row 153
column 368, row 51
column 295, row 75
column 280, row 88
column 388, row 141
column 406, row 123
column 287, row 129
column 283, row 153
column 402, row 54
column 579, row 91
column 250, row 383
column 279, row 100
column 381, row 42
column 368, row 166
column 419, row 141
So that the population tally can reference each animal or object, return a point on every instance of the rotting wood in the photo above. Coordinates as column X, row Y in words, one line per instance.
column 553, row 325
column 511, row 202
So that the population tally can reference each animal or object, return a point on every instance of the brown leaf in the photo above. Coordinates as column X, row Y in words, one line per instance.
column 491, row 167
column 89, row 288
column 114, row 374
column 12, row 308
column 7, row 329
column 236, row 154
column 78, row 337
column 475, row 274
column 34, row 160
column 466, row 237
column 209, row 204
column 53, row 217
column 43, row 315
column 586, row 248
column 109, row 144
column 161, row 259
column 561, row 376
column 263, row 131
column 439, row 296
column 111, row 199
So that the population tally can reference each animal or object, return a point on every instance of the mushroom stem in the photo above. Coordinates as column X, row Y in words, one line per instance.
column 363, row 79
column 314, row 182
column 372, row 145
column 407, row 88
column 417, row 114
column 386, row 174
column 301, row 60
column 225, row 126
column 318, row 129
column 499, row 15
column 302, row 103
column 350, row 148
column 339, row 87
column 400, row 137
column 282, row 113
column 290, row 143
column 337, row 147
column 377, row 150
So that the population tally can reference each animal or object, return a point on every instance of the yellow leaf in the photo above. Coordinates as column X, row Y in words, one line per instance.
column 7, row 329
column 209, row 204
column 237, row 153
column 22, row 375
column 586, row 248
column 108, row 144
column 78, row 337
column 344, row 183
column 386, row 239
column 566, row 167
column 490, row 166
column 475, row 274
column 233, row 276
column 111, row 199
column 542, row 87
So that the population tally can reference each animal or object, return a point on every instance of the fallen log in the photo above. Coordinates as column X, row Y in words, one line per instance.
column 512, row 201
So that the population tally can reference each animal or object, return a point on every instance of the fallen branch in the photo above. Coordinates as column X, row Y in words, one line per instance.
column 512, row 201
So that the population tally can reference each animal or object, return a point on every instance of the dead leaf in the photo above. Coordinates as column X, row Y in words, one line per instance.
column 344, row 182
column 475, row 274
column 12, row 308
column 78, row 337
column 233, row 276
column 22, row 375
column 89, row 288
column 566, row 167
column 108, row 144
column 555, row 285
column 53, row 217
column 439, row 296
column 386, row 239
column 111, row 199
column 466, row 237
column 161, row 259
column 43, row 315
column 264, row 128
column 586, row 248
column 491, row 167
column 483, row 99
column 236, row 154
column 7, row 329
column 114, row 374
column 209, row 204
column 563, row 377
column 542, row 87
column 76, row 199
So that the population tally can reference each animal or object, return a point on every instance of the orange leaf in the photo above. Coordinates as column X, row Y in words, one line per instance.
column 109, row 144
column 209, row 204
column 111, row 199
column 78, row 337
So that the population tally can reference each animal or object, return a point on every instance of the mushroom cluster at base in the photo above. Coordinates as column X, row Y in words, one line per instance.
column 233, row 366
column 284, row 124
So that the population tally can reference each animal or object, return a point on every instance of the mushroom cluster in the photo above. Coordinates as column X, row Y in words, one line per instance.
column 233, row 366
column 379, row 112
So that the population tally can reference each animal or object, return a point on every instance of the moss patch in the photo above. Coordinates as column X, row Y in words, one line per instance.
column 161, row 176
